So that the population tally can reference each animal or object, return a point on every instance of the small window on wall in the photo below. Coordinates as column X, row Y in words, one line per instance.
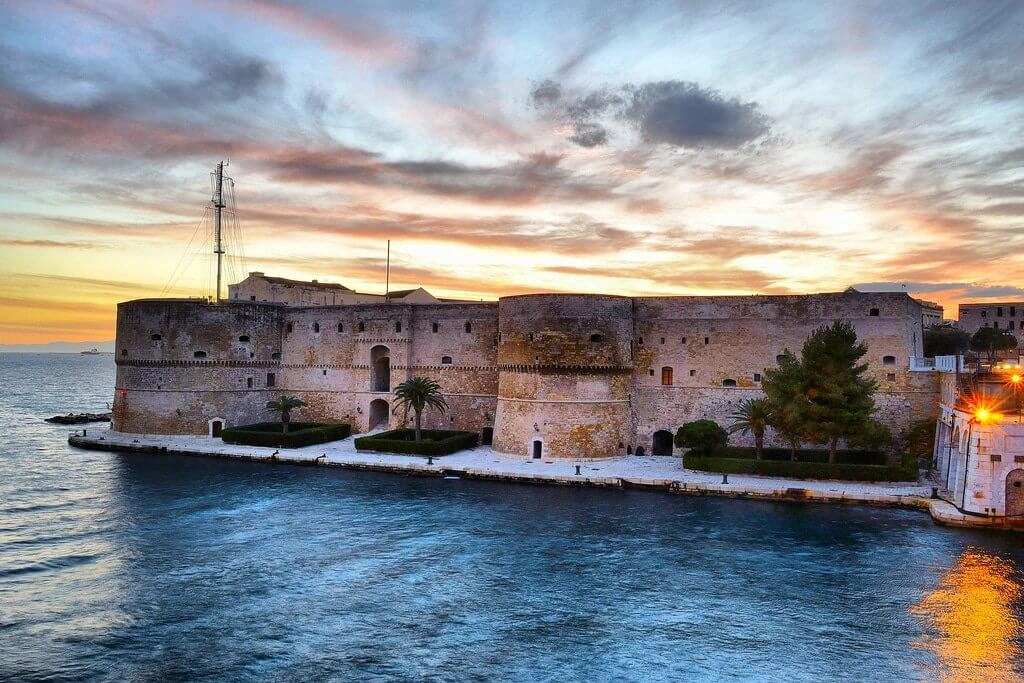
column 362, row 326
column 684, row 340
column 398, row 327
column 446, row 360
column 155, row 337
column 248, row 382
column 469, row 328
column 271, row 379
column 434, row 328
column 1013, row 311
column 888, row 360
column 779, row 358
column 984, row 314
column 891, row 377
column 243, row 338
column 124, row 352
column 341, row 328
column 693, row 373
column 1011, row 324
column 995, row 325
column 707, row 340
column 662, row 340
column 873, row 312
column 596, row 338
column 651, row 372
column 276, row 355
column 757, row 376
column 999, row 311
column 728, row 382
column 199, row 354
column 288, row 329
column 666, row 376
column 639, row 341
column 316, row 327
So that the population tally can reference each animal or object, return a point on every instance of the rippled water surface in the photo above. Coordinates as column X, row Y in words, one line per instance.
column 118, row 567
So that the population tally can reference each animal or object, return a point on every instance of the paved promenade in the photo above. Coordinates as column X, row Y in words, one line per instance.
column 661, row 473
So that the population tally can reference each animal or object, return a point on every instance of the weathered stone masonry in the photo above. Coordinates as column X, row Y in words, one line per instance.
column 550, row 375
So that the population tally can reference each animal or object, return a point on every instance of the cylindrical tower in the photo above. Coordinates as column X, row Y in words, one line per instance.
column 564, row 364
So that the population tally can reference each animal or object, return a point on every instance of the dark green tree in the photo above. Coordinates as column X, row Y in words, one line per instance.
column 945, row 341
column 285, row 405
column 840, row 399
column 418, row 393
column 752, row 416
column 702, row 437
column 990, row 341
column 785, row 391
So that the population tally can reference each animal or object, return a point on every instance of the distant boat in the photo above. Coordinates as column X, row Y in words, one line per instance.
column 92, row 352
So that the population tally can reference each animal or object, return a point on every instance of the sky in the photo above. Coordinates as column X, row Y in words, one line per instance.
column 637, row 148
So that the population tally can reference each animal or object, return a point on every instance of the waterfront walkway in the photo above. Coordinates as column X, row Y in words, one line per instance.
column 483, row 462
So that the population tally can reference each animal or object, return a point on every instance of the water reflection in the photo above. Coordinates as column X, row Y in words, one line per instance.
column 972, row 620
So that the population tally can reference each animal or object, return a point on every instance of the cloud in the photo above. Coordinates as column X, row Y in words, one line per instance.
column 684, row 114
column 674, row 113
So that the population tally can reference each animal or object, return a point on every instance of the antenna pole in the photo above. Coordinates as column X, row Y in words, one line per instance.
column 387, row 274
column 218, row 204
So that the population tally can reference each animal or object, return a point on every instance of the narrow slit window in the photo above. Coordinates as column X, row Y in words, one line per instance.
column 434, row 328
column 469, row 327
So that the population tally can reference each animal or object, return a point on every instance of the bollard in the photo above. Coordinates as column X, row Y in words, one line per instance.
column 935, row 493
column 85, row 432
column 577, row 469
column 725, row 478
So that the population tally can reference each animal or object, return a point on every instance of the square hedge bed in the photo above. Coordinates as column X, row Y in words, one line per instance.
column 272, row 434
column 729, row 461
column 434, row 442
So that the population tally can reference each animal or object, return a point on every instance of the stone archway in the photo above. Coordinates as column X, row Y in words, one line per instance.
column 378, row 413
column 1014, row 501
column 380, row 368
column 662, row 444
column 216, row 426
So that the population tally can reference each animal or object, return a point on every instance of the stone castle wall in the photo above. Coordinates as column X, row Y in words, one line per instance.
column 583, row 375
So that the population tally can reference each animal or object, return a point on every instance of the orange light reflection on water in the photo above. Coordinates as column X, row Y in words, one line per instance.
column 971, row 623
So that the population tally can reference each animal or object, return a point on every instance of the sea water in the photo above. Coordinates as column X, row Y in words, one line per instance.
column 116, row 567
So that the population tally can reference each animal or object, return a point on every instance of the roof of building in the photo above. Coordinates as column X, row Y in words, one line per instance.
column 301, row 283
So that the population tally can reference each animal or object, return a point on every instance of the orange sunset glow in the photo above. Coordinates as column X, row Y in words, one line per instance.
column 642, row 149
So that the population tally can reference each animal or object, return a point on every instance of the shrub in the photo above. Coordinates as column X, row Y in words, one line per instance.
column 847, row 457
column 435, row 442
column 272, row 434
column 701, row 436
column 803, row 470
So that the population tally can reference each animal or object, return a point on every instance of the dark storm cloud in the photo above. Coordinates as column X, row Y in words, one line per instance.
column 686, row 115
column 675, row 113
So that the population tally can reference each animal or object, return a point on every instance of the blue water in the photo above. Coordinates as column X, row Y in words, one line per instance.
column 116, row 567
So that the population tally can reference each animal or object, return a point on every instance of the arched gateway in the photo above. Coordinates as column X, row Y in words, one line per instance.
column 662, row 443
column 378, row 413
column 1015, row 493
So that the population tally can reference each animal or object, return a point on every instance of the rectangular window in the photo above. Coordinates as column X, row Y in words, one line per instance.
column 707, row 340
column 995, row 324
column 248, row 382
column 684, row 340
column 693, row 373
column 891, row 376
column 433, row 328
column 662, row 340
column 999, row 311
column 1013, row 311
column 757, row 376
column 270, row 379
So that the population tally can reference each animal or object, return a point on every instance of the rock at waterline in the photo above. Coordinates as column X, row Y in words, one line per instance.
column 79, row 418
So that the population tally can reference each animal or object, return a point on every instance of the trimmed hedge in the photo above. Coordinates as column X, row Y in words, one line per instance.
column 299, row 434
column 843, row 457
column 804, row 470
column 435, row 441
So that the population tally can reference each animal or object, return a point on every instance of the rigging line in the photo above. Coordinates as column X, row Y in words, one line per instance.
column 199, row 246
column 184, row 253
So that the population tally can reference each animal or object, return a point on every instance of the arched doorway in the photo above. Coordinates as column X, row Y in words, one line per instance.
column 1015, row 493
column 662, row 443
column 378, row 413
column 216, row 427
column 487, row 436
column 640, row 452
column 380, row 368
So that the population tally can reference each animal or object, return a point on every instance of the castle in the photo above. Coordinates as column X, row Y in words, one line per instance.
column 539, row 375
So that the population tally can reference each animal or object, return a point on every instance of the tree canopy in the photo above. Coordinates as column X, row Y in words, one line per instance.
column 990, row 341
column 945, row 341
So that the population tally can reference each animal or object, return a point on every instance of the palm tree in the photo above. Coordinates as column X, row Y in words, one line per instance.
column 419, row 393
column 752, row 416
column 285, row 405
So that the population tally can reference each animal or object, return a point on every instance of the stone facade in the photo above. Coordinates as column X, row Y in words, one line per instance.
column 1002, row 315
column 551, row 375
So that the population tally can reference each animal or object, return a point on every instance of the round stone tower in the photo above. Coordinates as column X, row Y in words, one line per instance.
column 564, row 365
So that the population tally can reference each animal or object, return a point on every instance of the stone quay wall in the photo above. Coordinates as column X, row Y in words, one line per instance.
column 586, row 376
